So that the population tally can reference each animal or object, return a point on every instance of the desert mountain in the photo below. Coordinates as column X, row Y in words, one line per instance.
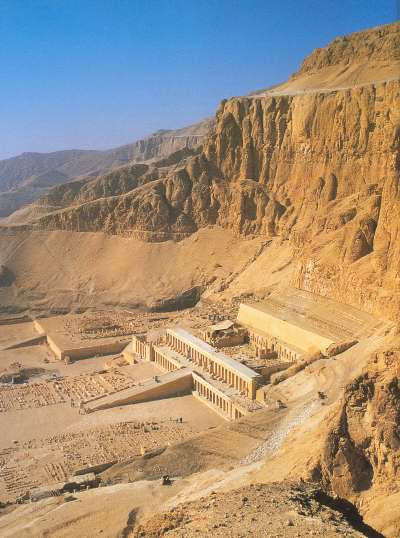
column 353, row 60
column 297, row 185
column 25, row 178
column 316, row 171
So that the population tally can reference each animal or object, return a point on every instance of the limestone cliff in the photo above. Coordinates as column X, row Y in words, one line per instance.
column 272, row 162
column 319, row 169
column 361, row 458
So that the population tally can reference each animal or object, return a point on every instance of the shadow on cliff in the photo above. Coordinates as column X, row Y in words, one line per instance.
column 349, row 512
column 186, row 299
column 6, row 277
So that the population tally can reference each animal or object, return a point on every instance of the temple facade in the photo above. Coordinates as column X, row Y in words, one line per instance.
column 288, row 335
column 219, row 381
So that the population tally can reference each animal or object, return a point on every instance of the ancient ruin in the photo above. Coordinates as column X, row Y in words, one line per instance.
column 199, row 331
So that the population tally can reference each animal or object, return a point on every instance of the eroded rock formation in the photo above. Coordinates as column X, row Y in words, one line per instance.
column 318, row 168
column 361, row 459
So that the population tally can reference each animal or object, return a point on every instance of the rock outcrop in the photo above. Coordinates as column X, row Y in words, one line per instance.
column 375, row 45
column 356, row 59
column 319, row 169
column 287, row 509
column 361, row 458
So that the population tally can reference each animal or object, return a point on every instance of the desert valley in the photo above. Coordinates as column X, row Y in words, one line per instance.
column 199, row 332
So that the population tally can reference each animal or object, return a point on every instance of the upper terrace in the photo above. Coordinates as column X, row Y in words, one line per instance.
column 305, row 321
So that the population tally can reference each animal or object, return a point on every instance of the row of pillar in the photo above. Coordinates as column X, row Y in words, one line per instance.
column 271, row 344
column 224, row 405
column 163, row 362
column 143, row 349
column 209, row 365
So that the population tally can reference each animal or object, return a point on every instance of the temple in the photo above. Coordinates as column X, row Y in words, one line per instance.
column 271, row 336
column 223, row 383
column 293, row 322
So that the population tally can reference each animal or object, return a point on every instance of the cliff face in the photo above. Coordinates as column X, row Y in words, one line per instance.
column 361, row 459
column 319, row 169
column 283, row 158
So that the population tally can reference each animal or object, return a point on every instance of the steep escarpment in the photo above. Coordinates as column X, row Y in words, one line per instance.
column 252, row 171
column 320, row 170
column 316, row 169
column 361, row 458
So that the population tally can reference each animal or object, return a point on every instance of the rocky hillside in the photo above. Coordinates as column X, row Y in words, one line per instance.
column 357, row 59
column 361, row 458
column 289, row 510
column 319, row 170
column 374, row 46
column 25, row 178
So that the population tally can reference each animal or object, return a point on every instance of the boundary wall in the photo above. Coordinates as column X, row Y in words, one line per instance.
column 82, row 351
column 87, row 351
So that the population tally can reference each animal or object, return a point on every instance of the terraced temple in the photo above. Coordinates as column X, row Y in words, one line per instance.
column 292, row 322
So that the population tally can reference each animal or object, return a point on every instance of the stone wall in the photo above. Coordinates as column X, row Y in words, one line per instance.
column 259, row 321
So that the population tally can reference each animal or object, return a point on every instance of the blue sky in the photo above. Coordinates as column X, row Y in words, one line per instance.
column 100, row 73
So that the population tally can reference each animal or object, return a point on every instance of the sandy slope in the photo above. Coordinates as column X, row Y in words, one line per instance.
column 67, row 269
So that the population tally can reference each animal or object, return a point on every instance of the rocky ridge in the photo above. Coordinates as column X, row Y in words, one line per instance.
column 361, row 457
column 375, row 45
column 348, row 61
column 25, row 178
column 319, row 170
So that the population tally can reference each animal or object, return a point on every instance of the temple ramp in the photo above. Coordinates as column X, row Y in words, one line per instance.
column 167, row 385
column 129, row 353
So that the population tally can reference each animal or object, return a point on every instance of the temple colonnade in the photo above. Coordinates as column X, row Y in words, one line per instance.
column 164, row 361
column 268, row 343
column 219, row 365
column 215, row 397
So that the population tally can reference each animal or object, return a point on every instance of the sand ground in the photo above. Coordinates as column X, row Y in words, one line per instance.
column 44, row 438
